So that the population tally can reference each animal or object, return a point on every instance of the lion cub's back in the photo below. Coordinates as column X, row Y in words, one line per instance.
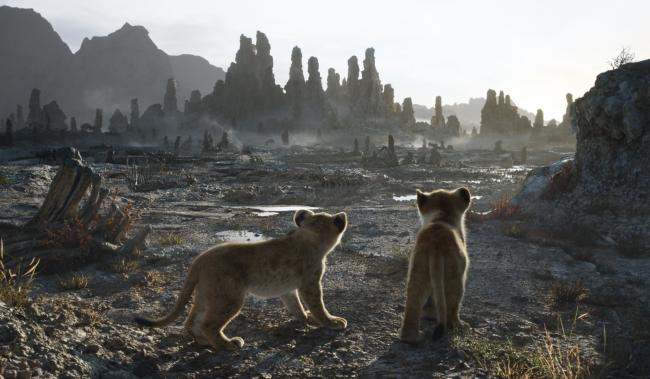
column 439, row 237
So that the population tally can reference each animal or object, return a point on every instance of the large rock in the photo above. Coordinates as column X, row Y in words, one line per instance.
column 606, row 185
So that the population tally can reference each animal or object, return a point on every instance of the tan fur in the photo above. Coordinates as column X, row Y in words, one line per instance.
column 438, row 265
column 290, row 267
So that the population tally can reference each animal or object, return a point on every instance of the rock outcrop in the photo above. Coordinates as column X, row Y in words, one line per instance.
column 54, row 117
column 249, row 87
column 170, row 101
column 295, row 87
column 500, row 116
column 607, row 181
column 370, row 101
column 118, row 123
column 613, row 139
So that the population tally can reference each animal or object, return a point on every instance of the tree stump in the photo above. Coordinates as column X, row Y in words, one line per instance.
column 69, row 229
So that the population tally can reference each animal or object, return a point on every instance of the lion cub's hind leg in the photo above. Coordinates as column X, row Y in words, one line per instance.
column 417, row 292
column 219, row 311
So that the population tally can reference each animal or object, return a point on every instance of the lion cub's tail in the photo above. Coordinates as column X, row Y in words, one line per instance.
column 183, row 298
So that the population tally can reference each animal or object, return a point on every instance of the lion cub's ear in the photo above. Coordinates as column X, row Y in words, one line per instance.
column 421, row 198
column 341, row 221
column 301, row 215
column 464, row 195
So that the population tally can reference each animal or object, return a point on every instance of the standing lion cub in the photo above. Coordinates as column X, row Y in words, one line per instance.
column 290, row 267
column 438, row 265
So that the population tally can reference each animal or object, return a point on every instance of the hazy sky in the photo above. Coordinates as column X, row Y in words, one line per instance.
column 534, row 50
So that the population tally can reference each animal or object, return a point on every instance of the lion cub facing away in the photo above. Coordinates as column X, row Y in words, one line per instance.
column 290, row 267
column 438, row 265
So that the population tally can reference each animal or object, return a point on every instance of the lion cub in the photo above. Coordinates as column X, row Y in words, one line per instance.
column 290, row 267
column 438, row 265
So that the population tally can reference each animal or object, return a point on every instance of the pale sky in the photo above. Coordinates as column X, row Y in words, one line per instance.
column 536, row 51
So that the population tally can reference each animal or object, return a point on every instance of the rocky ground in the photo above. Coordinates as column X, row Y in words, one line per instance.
column 530, row 296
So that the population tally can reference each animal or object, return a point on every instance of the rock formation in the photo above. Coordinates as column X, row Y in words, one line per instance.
column 295, row 87
column 54, row 117
column 539, row 121
column 500, row 117
column 314, row 94
column 152, row 116
column 389, row 100
column 170, row 101
column 438, row 119
column 35, row 117
column 609, row 176
column 352, row 81
column 452, row 126
column 99, row 120
column 333, row 85
column 135, row 113
column 193, row 105
column 73, row 125
column 118, row 123
column 407, row 115
column 370, row 101
column 613, row 140
column 249, row 88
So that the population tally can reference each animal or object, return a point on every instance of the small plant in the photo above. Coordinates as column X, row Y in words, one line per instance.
column 152, row 278
column 567, row 292
column 125, row 266
column 503, row 208
column 170, row 239
column 75, row 281
column 15, row 285
column 556, row 357
column 626, row 55
column 3, row 180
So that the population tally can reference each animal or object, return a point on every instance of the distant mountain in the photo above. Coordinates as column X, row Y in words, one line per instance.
column 31, row 55
column 469, row 114
column 105, row 73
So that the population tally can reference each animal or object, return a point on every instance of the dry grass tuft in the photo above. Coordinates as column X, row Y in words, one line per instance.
column 565, row 292
column 74, row 281
column 503, row 208
column 16, row 285
column 125, row 266
column 170, row 239
column 555, row 357
column 153, row 279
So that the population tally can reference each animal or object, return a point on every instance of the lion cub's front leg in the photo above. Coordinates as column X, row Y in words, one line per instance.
column 312, row 294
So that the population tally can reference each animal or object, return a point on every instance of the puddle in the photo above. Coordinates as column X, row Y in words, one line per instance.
column 280, row 208
column 413, row 197
column 240, row 235
column 266, row 214
column 273, row 210
column 404, row 198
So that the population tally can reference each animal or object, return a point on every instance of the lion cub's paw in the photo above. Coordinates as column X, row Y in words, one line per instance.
column 410, row 337
column 337, row 323
column 311, row 320
column 238, row 341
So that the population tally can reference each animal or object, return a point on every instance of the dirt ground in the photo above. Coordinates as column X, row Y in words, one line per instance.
column 512, row 303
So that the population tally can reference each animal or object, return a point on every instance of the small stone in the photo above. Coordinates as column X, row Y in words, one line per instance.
column 91, row 349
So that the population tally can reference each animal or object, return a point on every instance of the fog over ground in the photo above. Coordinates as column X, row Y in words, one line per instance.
column 535, row 51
